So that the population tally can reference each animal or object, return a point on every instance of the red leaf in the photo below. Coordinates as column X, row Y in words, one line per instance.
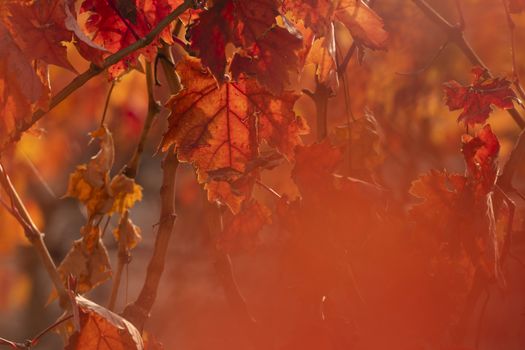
column 39, row 29
column 22, row 87
column 476, row 100
column 113, row 31
column 270, row 59
column 210, row 35
column 366, row 27
column 267, row 51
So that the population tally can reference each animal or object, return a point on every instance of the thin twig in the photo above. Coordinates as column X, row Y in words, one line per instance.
column 93, row 71
column 123, row 260
column 28, row 344
column 106, row 104
column 429, row 64
column 153, row 109
column 34, row 235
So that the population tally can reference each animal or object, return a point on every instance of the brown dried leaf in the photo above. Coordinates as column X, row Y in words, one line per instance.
column 88, row 262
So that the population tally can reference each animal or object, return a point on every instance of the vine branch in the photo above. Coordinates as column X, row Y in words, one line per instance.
column 33, row 234
column 138, row 311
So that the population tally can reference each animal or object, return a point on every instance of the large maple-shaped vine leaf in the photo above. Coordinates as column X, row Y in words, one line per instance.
column 464, row 205
column 218, row 127
column 476, row 100
column 114, row 30
column 22, row 87
column 101, row 329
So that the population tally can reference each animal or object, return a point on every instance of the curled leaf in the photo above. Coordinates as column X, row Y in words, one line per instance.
column 101, row 329
column 88, row 262
column 130, row 231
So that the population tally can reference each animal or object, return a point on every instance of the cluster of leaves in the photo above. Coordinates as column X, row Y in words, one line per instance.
column 233, row 119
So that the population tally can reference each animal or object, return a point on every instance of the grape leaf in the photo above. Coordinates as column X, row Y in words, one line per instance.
column 220, row 127
column 113, row 31
column 476, row 100
column 22, row 87
column 91, row 183
column 365, row 26
column 40, row 29
column 88, row 262
column 211, row 34
column 101, row 329
column 270, row 58
column 317, row 14
column 266, row 50
column 464, row 205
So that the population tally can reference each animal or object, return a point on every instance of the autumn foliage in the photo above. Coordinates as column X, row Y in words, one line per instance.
column 333, row 174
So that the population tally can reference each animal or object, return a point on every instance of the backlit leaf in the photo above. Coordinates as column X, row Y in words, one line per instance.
column 476, row 100
column 101, row 329
column 216, row 127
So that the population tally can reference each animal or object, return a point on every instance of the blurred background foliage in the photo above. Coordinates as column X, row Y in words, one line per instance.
column 416, row 133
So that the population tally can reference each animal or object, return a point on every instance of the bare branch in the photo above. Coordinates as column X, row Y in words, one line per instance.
column 138, row 311
column 33, row 234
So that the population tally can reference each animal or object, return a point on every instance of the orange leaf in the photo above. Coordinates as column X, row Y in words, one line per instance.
column 101, row 329
column 220, row 127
